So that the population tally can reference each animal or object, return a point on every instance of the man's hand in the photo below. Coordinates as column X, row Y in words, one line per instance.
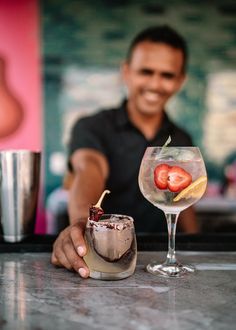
column 69, row 249
column 90, row 171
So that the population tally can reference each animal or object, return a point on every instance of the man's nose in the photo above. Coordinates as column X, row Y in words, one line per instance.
column 155, row 81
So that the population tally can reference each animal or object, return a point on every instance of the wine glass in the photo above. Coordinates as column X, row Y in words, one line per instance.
column 172, row 179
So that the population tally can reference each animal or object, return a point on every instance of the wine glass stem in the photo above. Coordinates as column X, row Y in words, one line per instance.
column 171, row 223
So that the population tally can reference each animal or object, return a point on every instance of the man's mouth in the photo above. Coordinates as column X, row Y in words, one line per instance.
column 152, row 96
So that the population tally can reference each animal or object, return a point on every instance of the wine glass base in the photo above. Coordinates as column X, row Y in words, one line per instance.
column 170, row 270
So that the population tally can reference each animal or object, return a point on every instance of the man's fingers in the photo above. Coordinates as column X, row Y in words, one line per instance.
column 69, row 248
column 60, row 259
column 55, row 261
column 76, row 262
column 77, row 237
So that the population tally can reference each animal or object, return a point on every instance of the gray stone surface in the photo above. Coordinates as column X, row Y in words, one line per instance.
column 35, row 295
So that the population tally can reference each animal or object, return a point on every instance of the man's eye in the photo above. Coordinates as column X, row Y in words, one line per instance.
column 146, row 72
column 168, row 75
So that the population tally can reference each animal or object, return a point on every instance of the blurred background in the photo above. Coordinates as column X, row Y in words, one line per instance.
column 59, row 60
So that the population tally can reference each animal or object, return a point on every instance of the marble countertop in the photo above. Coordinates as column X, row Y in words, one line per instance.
column 35, row 295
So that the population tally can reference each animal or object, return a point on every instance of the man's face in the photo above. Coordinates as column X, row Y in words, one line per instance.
column 153, row 75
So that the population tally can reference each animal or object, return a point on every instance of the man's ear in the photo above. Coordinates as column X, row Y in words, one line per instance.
column 124, row 68
column 182, row 81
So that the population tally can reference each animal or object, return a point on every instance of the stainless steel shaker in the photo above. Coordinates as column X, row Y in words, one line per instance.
column 19, row 186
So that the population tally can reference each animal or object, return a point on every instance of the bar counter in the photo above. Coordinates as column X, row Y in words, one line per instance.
column 35, row 295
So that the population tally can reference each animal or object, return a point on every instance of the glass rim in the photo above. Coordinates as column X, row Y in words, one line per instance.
column 109, row 218
column 20, row 151
column 167, row 151
column 172, row 147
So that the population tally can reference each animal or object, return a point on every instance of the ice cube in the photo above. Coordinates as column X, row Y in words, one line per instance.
column 185, row 156
column 169, row 153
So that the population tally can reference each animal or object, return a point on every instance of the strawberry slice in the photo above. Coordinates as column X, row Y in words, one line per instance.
column 161, row 176
column 178, row 179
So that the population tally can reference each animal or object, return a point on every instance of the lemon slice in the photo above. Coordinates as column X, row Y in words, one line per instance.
column 194, row 190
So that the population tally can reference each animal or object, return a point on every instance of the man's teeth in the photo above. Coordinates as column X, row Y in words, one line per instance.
column 152, row 97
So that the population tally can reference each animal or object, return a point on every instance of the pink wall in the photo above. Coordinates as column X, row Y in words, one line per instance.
column 20, row 48
column 19, row 45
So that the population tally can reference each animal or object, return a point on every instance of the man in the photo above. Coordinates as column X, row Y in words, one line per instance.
column 106, row 149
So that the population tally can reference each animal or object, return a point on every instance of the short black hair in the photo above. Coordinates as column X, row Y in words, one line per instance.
column 160, row 34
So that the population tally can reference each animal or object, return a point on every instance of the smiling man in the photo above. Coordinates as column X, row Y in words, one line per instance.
column 106, row 149
column 153, row 73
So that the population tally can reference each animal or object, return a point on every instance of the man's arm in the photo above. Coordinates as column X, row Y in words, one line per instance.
column 188, row 221
column 90, row 173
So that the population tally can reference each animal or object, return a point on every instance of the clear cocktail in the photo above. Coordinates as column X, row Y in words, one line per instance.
column 172, row 178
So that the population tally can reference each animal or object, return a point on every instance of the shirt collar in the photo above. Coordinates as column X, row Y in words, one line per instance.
column 122, row 115
column 123, row 118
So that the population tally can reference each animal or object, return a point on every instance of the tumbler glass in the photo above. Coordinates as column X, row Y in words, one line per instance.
column 112, row 247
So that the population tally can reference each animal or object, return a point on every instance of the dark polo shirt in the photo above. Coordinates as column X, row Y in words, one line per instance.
column 113, row 134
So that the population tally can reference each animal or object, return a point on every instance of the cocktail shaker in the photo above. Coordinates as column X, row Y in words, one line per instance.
column 19, row 186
